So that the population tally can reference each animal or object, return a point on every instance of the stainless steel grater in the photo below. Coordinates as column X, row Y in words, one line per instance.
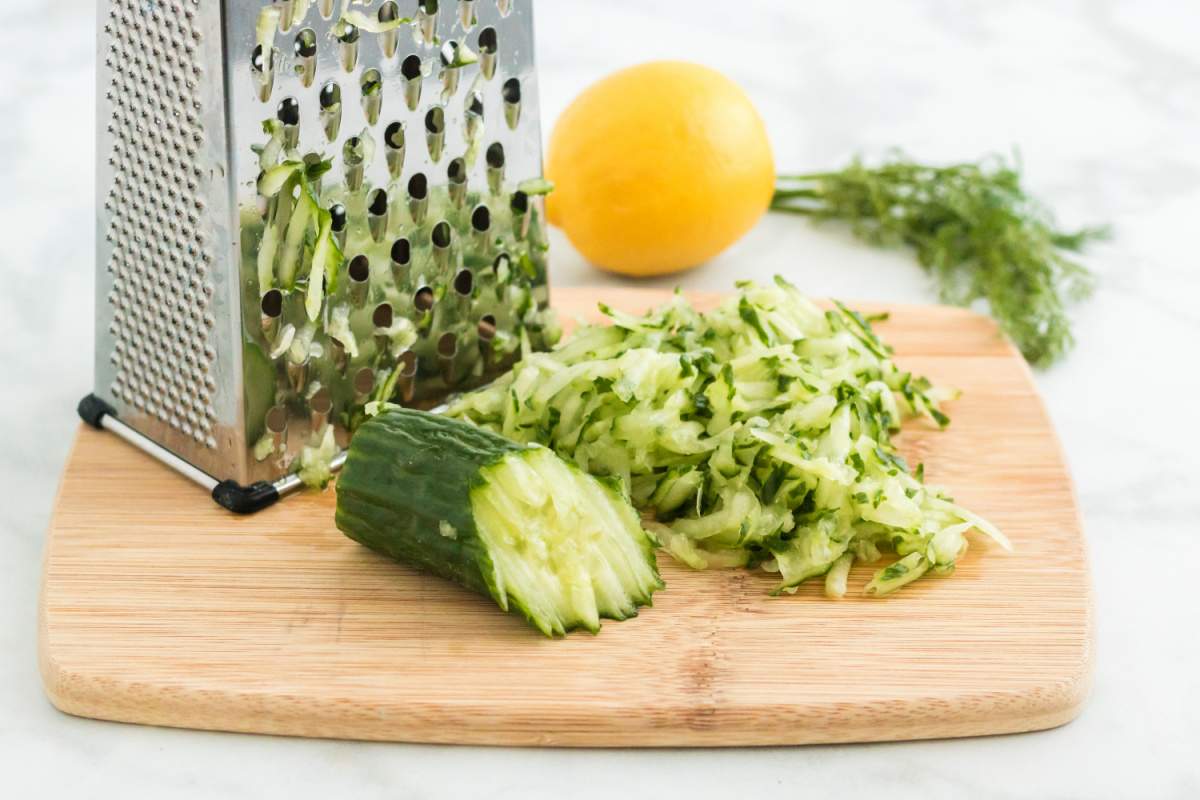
column 305, row 207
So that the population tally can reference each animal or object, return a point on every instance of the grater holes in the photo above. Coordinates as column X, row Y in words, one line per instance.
column 423, row 298
column 481, row 219
column 435, row 120
column 382, row 316
column 466, row 14
column 158, row 256
column 511, row 94
column 388, row 12
column 464, row 282
column 410, row 68
column 401, row 252
column 371, row 88
column 305, row 44
column 393, row 136
column 359, row 269
column 435, row 132
column 377, row 202
column 456, row 177
column 473, row 107
column 488, row 41
column 364, row 380
column 408, row 364
column 442, row 235
column 486, row 328
column 427, row 12
column 418, row 186
column 288, row 111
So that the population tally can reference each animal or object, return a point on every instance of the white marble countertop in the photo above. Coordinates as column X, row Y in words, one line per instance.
column 1103, row 99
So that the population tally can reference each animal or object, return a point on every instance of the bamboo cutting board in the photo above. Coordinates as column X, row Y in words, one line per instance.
column 158, row 607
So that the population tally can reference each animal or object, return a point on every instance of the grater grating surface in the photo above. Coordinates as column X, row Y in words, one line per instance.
column 309, row 206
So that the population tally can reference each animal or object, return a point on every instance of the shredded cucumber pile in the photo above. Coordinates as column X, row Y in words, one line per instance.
column 756, row 434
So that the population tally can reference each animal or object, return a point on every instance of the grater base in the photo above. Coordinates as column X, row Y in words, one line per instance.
column 228, row 494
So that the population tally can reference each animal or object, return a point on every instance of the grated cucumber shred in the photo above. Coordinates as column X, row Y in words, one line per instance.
column 314, row 465
column 756, row 434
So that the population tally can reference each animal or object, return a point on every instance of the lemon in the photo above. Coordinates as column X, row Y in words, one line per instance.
column 658, row 168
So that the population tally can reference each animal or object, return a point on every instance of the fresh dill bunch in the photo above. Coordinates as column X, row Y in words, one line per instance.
column 974, row 229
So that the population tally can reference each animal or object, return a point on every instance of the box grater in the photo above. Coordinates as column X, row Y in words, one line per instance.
column 305, row 207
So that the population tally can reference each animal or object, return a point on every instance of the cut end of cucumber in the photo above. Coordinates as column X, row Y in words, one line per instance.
column 566, row 549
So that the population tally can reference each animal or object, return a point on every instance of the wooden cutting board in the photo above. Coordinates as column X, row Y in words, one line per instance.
column 158, row 607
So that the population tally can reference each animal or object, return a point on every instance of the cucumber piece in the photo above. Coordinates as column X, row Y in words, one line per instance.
column 514, row 522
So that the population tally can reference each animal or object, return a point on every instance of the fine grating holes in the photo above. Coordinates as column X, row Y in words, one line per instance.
column 154, row 133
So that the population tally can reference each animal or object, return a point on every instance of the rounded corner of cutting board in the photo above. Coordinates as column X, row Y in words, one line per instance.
column 62, row 685
column 180, row 616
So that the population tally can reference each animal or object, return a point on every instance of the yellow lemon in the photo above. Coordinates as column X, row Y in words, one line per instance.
column 658, row 168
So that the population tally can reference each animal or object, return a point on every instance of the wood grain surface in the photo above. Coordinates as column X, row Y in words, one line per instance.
column 158, row 607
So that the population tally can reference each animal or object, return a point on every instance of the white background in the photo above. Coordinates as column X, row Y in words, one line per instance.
column 1103, row 100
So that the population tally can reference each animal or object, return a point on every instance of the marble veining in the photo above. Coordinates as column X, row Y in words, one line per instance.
column 1102, row 97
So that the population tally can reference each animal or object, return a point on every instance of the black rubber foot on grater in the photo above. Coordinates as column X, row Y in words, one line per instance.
column 244, row 499
column 227, row 494
column 92, row 409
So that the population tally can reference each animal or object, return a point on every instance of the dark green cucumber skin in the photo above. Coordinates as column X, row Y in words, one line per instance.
column 406, row 473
